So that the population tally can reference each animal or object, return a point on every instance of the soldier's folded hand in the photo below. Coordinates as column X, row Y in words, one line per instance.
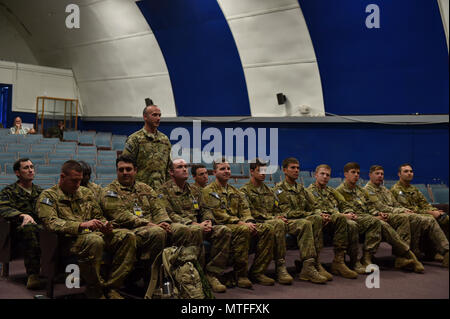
column 107, row 227
column 26, row 219
column 165, row 226
column 92, row 224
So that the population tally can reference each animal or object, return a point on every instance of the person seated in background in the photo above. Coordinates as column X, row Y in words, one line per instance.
column 18, row 129
column 95, row 188
column 17, row 205
column 57, row 131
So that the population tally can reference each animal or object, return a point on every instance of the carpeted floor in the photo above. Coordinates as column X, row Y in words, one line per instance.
column 434, row 284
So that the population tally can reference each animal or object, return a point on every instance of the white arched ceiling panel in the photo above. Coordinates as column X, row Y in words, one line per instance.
column 277, row 55
column 126, row 96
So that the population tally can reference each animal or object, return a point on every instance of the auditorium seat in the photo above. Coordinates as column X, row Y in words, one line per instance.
column 17, row 147
column 100, row 169
column 71, row 136
column 308, row 181
column 424, row 190
column 334, row 182
column 103, row 140
column 86, row 138
column 48, row 169
column 118, row 142
column 50, row 140
column 440, row 195
column 42, row 147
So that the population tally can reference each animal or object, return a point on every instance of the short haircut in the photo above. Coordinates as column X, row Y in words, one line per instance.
column 147, row 106
column 257, row 163
column 195, row 167
column 126, row 159
column 374, row 168
column 403, row 165
column 71, row 165
column 289, row 160
column 351, row 165
column 86, row 168
column 326, row 166
column 16, row 166
column 219, row 161
column 171, row 163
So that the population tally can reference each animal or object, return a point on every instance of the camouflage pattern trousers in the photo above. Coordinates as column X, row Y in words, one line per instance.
column 366, row 225
column 427, row 235
column 150, row 241
column 28, row 236
column 240, row 244
column 89, row 249
column 220, row 239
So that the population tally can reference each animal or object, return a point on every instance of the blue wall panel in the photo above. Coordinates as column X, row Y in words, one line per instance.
column 400, row 68
column 424, row 146
column 202, row 58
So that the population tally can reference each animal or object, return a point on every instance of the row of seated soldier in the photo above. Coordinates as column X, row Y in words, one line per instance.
column 134, row 223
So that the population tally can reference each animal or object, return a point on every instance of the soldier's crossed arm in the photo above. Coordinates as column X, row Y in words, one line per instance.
column 47, row 210
column 6, row 209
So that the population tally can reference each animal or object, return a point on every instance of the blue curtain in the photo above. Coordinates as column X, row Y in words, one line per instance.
column 5, row 102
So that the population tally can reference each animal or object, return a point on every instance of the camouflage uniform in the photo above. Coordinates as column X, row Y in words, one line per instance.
column 96, row 189
column 331, row 201
column 14, row 200
column 421, row 226
column 299, row 207
column 63, row 214
column 374, row 229
column 229, row 207
column 185, row 206
column 152, row 155
column 411, row 198
column 133, row 208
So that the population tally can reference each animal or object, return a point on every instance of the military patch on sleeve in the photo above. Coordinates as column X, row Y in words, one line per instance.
column 214, row 194
column 112, row 194
column 128, row 147
column 47, row 201
column 278, row 191
column 400, row 193
column 160, row 196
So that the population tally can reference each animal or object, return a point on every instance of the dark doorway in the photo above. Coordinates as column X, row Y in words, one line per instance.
column 5, row 103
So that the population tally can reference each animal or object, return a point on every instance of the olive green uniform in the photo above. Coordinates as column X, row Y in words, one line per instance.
column 229, row 207
column 411, row 198
column 422, row 226
column 63, row 214
column 152, row 155
column 374, row 228
column 14, row 200
column 185, row 206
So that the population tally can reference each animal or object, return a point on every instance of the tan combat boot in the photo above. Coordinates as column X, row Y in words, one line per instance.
column 417, row 265
column 244, row 282
column 114, row 294
column 33, row 282
column 283, row 276
column 339, row 268
column 445, row 261
column 322, row 271
column 366, row 259
column 310, row 273
column 402, row 262
column 262, row 279
column 215, row 284
column 438, row 257
column 355, row 265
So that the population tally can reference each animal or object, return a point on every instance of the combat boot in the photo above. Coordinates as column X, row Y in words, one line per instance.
column 283, row 276
column 445, row 261
column 417, row 265
column 322, row 271
column 263, row 279
column 438, row 257
column 402, row 262
column 244, row 282
column 33, row 282
column 355, row 265
column 215, row 284
column 114, row 294
column 310, row 273
column 366, row 259
column 339, row 268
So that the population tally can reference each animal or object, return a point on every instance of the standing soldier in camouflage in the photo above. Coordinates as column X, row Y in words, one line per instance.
column 185, row 206
column 410, row 197
column 230, row 208
column 17, row 205
column 87, row 171
column 70, row 210
column 332, row 203
column 135, row 206
column 421, row 225
column 363, row 206
column 150, row 149
column 299, row 207
column 264, row 208
column 200, row 175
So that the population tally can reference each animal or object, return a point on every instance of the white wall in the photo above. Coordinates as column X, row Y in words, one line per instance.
column 31, row 81
column 444, row 7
